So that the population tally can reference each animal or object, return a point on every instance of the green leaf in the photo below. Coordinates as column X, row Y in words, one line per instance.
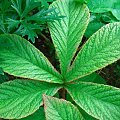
column 29, row 30
column 12, row 24
column 30, row 5
column 20, row 98
column 56, row 109
column 3, row 78
column 116, row 9
column 100, row 6
column 100, row 101
column 82, row 1
column 19, row 58
column 86, row 115
column 16, row 4
column 1, row 71
column 38, row 115
column 93, row 27
column 100, row 50
column 94, row 77
column 67, row 33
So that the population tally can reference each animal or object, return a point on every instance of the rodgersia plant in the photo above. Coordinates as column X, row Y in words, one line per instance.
column 38, row 80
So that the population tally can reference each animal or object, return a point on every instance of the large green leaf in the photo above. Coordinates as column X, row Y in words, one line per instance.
column 67, row 33
column 20, row 98
column 19, row 58
column 102, row 49
column 56, row 109
column 100, row 101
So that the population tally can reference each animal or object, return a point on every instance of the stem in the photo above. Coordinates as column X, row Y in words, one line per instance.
column 47, row 41
column 62, row 93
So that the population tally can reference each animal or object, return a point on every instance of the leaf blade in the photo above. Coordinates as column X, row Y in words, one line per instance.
column 100, row 50
column 100, row 101
column 67, row 33
column 20, row 58
column 20, row 98
column 60, row 109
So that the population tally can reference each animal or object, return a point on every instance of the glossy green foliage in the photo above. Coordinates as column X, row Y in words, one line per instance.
column 56, row 109
column 69, row 30
column 101, row 6
column 22, row 97
column 20, row 58
column 100, row 101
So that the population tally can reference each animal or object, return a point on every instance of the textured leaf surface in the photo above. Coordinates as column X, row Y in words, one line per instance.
column 38, row 115
column 19, row 58
column 67, row 33
column 102, row 49
column 20, row 98
column 56, row 109
column 100, row 101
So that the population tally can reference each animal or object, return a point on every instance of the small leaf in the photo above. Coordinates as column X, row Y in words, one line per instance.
column 56, row 109
column 12, row 24
column 30, row 5
column 100, row 101
column 16, row 4
column 20, row 98
column 19, row 58
column 29, row 30
column 67, row 33
column 100, row 50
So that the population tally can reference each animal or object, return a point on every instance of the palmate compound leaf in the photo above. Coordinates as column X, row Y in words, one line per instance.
column 20, row 98
column 67, row 33
column 100, row 101
column 56, row 109
column 19, row 58
column 102, row 49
